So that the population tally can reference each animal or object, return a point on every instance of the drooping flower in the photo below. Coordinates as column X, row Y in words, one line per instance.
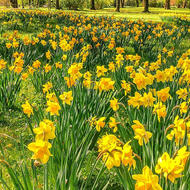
column 183, row 107
column 113, row 124
column 128, row 156
column 126, row 86
column 160, row 110
column 136, row 100
column 45, row 131
column 105, row 84
column 48, row 55
column 53, row 108
column 182, row 155
column 36, row 64
column 47, row 87
column 182, row 93
column 27, row 109
column 101, row 70
column 140, row 80
column 66, row 97
column 109, row 147
column 140, row 133
column 114, row 104
column 148, row 99
column 163, row 94
column 100, row 123
column 2, row 64
column 41, row 150
column 147, row 180
column 170, row 168
column 178, row 130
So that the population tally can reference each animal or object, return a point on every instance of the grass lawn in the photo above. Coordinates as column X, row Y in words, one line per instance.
column 131, row 13
column 135, row 13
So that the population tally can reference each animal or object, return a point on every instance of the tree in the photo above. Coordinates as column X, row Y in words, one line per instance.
column 114, row 4
column 49, row 4
column 137, row 3
column 14, row 3
column 38, row 3
column 23, row 4
column 93, row 5
column 118, row 5
column 57, row 4
column 122, row 3
column 29, row 2
column 184, row 3
column 167, row 4
column 146, row 6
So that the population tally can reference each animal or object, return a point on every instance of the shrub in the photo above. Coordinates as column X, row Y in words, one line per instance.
column 100, row 4
column 155, row 3
column 73, row 4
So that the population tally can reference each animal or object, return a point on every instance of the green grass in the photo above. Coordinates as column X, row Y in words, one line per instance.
column 136, row 13
column 131, row 13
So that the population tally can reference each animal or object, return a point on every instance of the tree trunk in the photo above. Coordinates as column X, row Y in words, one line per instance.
column 93, row 5
column 23, row 4
column 167, row 4
column 115, row 3
column 122, row 3
column 118, row 5
column 184, row 3
column 49, row 4
column 137, row 3
column 38, row 3
column 146, row 6
column 29, row 2
column 57, row 4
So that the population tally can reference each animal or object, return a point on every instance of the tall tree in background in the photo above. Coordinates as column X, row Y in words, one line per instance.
column 122, row 3
column 137, row 3
column 114, row 3
column 14, row 3
column 184, row 3
column 93, row 5
column 57, row 4
column 118, row 5
column 167, row 4
column 23, row 4
column 38, row 3
column 146, row 6
column 49, row 4
column 29, row 3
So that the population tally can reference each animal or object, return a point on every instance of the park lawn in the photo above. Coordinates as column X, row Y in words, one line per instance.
column 136, row 13
column 130, row 13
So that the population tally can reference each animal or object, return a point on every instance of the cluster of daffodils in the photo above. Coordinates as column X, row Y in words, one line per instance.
column 114, row 152
column 101, row 123
column 146, row 180
column 53, row 106
column 180, row 128
column 27, row 109
column 3, row 64
column 140, row 133
column 90, row 55
column 172, row 168
column 18, row 64
column 147, row 100
column 41, row 146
